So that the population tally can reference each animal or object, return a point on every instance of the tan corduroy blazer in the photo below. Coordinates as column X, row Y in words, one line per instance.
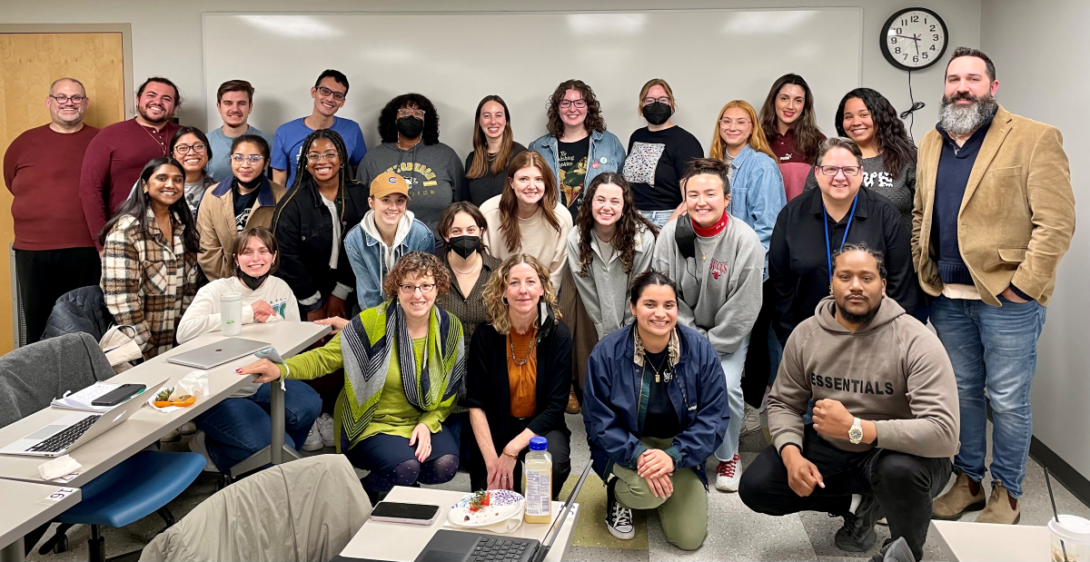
column 1017, row 216
column 216, row 223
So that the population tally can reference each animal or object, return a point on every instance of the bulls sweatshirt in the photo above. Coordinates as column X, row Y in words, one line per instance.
column 892, row 371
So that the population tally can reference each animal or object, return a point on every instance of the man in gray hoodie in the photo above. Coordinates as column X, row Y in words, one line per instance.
column 718, row 263
column 885, row 414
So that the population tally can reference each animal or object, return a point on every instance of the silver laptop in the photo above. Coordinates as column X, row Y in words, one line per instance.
column 75, row 430
column 218, row 353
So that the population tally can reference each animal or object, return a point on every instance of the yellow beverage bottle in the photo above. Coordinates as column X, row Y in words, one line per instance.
column 537, row 482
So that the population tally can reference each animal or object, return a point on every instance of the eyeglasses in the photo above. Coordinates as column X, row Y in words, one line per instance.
column 199, row 148
column 65, row 99
column 407, row 112
column 315, row 157
column 849, row 171
column 251, row 158
column 580, row 104
column 326, row 92
column 426, row 288
column 727, row 122
column 662, row 100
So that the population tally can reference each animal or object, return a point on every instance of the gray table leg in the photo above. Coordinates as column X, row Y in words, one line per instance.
column 12, row 552
column 278, row 452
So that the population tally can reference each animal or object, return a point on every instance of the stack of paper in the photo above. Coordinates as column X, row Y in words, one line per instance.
column 81, row 400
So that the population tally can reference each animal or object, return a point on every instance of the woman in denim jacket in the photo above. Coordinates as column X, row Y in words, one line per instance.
column 577, row 146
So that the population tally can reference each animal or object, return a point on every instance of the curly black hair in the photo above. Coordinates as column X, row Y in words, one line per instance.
column 896, row 147
column 387, row 127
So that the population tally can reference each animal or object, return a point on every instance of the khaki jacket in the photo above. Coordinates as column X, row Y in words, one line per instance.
column 216, row 223
column 1017, row 216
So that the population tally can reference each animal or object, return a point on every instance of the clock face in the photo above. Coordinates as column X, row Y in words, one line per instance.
column 913, row 39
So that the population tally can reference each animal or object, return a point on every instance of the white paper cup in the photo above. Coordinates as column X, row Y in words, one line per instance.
column 1075, row 533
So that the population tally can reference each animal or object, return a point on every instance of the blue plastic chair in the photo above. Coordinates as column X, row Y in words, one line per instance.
column 130, row 491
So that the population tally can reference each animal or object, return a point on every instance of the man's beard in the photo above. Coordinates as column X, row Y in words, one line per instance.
column 143, row 113
column 963, row 120
column 856, row 318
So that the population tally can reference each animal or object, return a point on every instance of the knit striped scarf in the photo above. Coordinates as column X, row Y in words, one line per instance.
column 367, row 346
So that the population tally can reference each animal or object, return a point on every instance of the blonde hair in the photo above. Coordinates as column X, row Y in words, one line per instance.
column 757, row 139
column 496, row 310
column 647, row 88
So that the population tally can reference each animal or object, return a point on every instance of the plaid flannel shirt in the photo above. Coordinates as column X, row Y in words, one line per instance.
column 145, row 283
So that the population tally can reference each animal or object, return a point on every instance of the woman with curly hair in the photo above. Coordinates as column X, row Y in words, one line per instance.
column 403, row 364
column 528, row 218
column 788, row 122
column 889, row 155
column 521, row 392
column 577, row 146
column 409, row 128
column 611, row 244
column 493, row 148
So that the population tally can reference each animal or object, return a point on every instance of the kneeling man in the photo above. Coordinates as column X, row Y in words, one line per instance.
column 885, row 414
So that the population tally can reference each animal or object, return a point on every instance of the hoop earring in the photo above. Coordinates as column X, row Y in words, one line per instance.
column 505, row 303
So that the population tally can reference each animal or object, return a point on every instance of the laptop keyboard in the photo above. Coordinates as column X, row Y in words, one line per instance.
column 64, row 439
column 494, row 550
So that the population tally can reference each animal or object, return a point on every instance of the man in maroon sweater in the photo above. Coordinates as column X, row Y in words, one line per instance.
column 117, row 155
column 54, row 252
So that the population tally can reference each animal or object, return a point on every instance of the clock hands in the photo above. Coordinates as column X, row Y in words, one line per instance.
column 915, row 39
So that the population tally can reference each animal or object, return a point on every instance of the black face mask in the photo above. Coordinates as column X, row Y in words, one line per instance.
column 252, row 282
column 657, row 113
column 464, row 245
column 410, row 127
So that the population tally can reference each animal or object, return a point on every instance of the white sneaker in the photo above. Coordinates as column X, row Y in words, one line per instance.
column 728, row 473
column 196, row 444
column 314, row 439
column 751, row 423
column 325, row 429
column 619, row 521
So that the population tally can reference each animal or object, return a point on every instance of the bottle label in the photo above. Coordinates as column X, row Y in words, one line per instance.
column 539, row 492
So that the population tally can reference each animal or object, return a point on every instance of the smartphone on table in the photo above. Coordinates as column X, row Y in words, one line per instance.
column 411, row 513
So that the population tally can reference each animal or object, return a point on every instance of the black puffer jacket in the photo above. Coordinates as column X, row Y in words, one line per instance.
column 304, row 233
column 82, row 310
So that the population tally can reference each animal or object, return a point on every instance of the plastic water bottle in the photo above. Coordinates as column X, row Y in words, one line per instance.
column 231, row 313
column 537, row 482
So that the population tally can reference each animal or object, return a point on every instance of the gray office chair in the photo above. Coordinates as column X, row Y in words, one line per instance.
column 305, row 510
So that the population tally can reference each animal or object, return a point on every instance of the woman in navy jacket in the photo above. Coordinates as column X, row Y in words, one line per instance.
column 655, row 406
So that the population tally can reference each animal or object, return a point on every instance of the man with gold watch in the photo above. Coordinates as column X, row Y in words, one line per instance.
column 885, row 418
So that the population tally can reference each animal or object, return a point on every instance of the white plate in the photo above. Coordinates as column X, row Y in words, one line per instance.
column 503, row 504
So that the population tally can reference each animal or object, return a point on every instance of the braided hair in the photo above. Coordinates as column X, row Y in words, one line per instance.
column 304, row 178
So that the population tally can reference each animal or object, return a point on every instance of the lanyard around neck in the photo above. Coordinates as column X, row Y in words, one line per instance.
column 828, row 250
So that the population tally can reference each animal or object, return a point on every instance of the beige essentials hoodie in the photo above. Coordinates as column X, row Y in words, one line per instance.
column 892, row 371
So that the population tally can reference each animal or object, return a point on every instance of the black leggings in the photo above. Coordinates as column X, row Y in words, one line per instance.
column 903, row 484
column 392, row 462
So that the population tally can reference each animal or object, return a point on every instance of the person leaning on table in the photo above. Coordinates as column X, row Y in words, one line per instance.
column 651, row 451
column 390, row 414
column 240, row 426
column 520, row 365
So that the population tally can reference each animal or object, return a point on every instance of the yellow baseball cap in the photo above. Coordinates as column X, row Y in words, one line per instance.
column 388, row 183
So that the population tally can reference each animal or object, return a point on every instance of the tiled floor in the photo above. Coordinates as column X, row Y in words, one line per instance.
column 735, row 532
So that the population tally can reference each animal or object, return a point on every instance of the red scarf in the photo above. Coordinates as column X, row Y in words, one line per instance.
column 713, row 229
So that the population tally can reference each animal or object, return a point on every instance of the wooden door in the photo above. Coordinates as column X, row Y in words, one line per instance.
column 29, row 63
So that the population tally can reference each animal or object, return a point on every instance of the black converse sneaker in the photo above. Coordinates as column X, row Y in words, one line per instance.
column 857, row 534
column 618, row 517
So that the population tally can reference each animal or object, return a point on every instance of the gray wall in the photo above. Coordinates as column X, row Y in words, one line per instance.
column 1040, row 51
column 154, row 22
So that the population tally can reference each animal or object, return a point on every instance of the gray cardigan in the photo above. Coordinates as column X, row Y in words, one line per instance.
column 604, row 290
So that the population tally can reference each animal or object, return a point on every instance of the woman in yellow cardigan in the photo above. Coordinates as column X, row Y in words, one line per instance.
column 403, row 364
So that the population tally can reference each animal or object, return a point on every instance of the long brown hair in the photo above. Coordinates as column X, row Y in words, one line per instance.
column 509, row 204
column 807, row 133
column 480, row 165
column 594, row 120
column 624, row 239
column 496, row 287
column 757, row 139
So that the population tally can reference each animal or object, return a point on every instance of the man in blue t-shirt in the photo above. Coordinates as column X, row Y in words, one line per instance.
column 234, row 101
column 329, row 92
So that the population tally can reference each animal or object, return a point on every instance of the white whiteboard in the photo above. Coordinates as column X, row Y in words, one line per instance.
column 709, row 57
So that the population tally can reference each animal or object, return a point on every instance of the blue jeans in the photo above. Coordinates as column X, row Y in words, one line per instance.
column 659, row 218
column 239, row 427
column 733, row 366
column 995, row 349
